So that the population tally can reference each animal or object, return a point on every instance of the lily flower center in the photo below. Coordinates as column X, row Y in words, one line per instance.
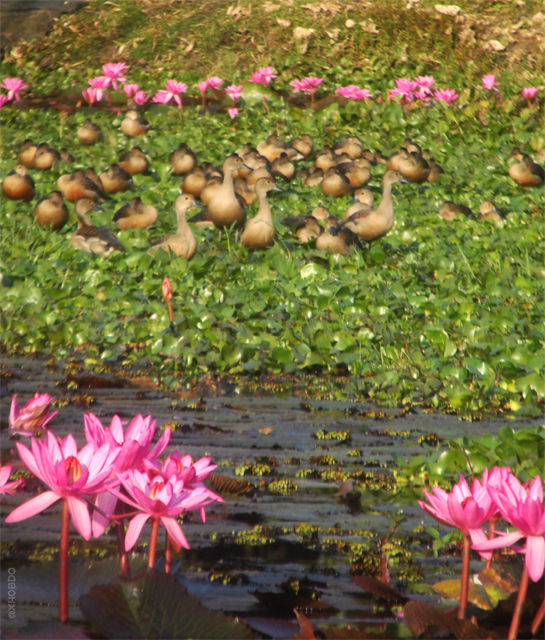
column 156, row 487
column 73, row 469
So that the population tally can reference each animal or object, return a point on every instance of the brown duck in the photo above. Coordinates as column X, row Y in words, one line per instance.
column 182, row 243
column 335, row 183
column 89, row 238
column 182, row 160
column 450, row 210
column 135, row 215
column 77, row 185
column 134, row 125
column 527, row 173
column 134, row 161
column 225, row 208
column 51, row 211
column 18, row 185
column 89, row 133
column 116, row 179
column 259, row 232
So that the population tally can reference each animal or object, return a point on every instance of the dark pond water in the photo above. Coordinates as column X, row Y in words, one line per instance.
column 310, row 529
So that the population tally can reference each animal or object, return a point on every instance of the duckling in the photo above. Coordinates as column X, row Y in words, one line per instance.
column 337, row 239
column 325, row 159
column 252, row 161
column 335, row 184
column 392, row 164
column 414, row 168
column 225, row 208
column 89, row 133
column 316, row 176
column 516, row 154
column 135, row 215
column 380, row 157
column 372, row 224
column 182, row 160
column 133, row 125
column 246, row 149
column 77, row 185
column 51, row 211
column 27, row 154
column 116, row 179
column 89, row 238
column 272, row 147
column 194, row 182
column 450, row 210
column 18, row 185
column 305, row 227
column 527, row 173
column 45, row 157
column 489, row 211
column 134, row 161
column 351, row 146
column 357, row 176
column 284, row 167
column 182, row 243
column 304, row 144
column 259, row 231
column 363, row 199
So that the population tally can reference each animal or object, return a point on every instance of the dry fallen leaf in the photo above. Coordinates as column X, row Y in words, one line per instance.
column 349, row 24
column 333, row 34
column 368, row 26
column 283, row 23
column 269, row 7
column 189, row 47
column 302, row 34
column 447, row 9
column 496, row 45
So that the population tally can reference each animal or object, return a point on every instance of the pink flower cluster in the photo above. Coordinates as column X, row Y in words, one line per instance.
column 498, row 493
column 14, row 86
column 421, row 89
column 263, row 75
column 114, row 464
column 353, row 92
column 306, row 85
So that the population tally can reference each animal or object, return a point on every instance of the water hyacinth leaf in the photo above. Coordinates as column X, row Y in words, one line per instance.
column 154, row 605
column 450, row 589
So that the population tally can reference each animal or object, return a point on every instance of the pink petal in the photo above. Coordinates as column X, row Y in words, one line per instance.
column 175, row 531
column 106, row 502
column 504, row 540
column 134, row 529
column 80, row 516
column 478, row 536
column 33, row 506
column 535, row 557
column 29, row 461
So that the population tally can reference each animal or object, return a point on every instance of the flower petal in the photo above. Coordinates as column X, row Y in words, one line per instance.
column 535, row 557
column 33, row 506
column 504, row 540
column 175, row 531
column 79, row 513
column 134, row 529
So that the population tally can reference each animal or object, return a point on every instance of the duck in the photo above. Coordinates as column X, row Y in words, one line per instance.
column 303, row 144
column 271, row 148
column 89, row 133
column 335, row 183
column 225, row 208
column 392, row 164
column 182, row 160
column 51, row 211
column 351, row 146
column 305, row 227
column 93, row 175
column 66, row 156
column 194, row 182
column 134, row 125
column 527, row 173
column 27, row 153
column 413, row 167
column 116, row 179
column 450, row 210
column 259, row 231
column 134, row 161
column 135, row 215
column 435, row 170
column 89, row 238
column 320, row 213
column 325, row 159
column 363, row 199
column 337, row 239
column 489, row 211
column 315, row 177
column 244, row 190
column 252, row 161
column 368, row 155
column 380, row 158
column 256, row 174
column 357, row 176
column 182, row 243
column 284, row 167
column 210, row 188
column 45, row 157
column 372, row 224
column 77, row 185
column 18, row 185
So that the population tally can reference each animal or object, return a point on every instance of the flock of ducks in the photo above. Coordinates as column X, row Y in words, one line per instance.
column 248, row 175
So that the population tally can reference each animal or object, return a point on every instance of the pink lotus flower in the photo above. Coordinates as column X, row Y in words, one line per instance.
column 162, row 96
column 465, row 509
column 167, row 289
column 446, row 95
column 528, row 93
column 353, row 92
column 404, row 87
column 99, row 83
column 297, row 85
column 202, row 86
column 488, row 82
column 214, row 82
column 263, row 75
column 14, row 86
column 5, row 486
column 130, row 90
column 425, row 81
column 423, row 94
column 32, row 417
column 311, row 83
column 233, row 112
column 113, row 71
column 69, row 474
column 3, row 99
column 160, row 499
column 234, row 91
column 140, row 97
column 89, row 95
column 524, row 509
column 174, row 90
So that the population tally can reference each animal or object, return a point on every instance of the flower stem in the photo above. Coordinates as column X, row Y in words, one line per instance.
column 464, row 590
column 153, row 543
column 491, row 535
column 120, row 534
column 63, row 564
column 168, row 554
column 538, row 618
column 515, row 621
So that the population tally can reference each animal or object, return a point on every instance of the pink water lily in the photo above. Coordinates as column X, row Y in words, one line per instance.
column 353, row 92
column 70, row 474
column 523, row 508
column 113, row 71
column 7, row 488
column 162, row 96
column 423, row 94
column 3, row 99
column 233, row 112
column 174, row 89
column 234, row 91
column 202, row 86
column 425, row 82
column 445, row 95
column 99, row 83
column 33, row 417
column 214, row 82
column 311, row 83
column 89, row 95
column 14, row 86
column 130, row 90
column 140, row 97
column 161, row 499
column 263, row 75
column 297, row 85
column 489, row 82
column 405, row 88
column 528, row 93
